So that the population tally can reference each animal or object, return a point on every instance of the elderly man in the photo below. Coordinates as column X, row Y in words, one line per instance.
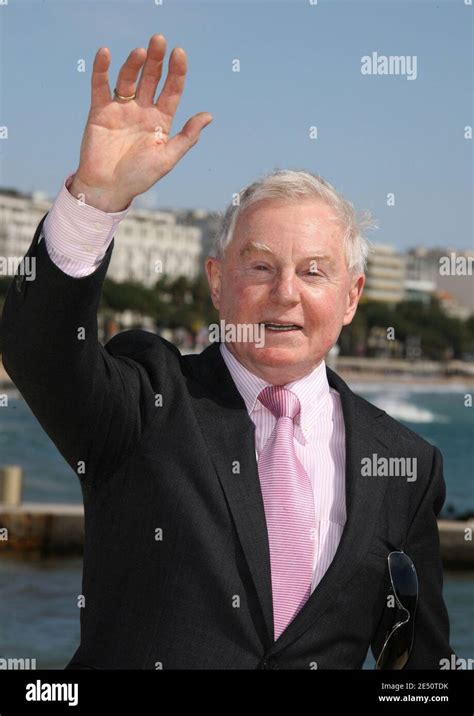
column 229, row 520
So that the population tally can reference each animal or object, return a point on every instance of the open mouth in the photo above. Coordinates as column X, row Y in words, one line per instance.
column 282, row 327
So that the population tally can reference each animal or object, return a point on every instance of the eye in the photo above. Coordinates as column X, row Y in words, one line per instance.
column 261, row 267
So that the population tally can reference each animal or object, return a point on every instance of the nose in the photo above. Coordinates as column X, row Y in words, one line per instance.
column 285, row 289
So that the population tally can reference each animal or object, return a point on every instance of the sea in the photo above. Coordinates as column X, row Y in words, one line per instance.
column 39, row 616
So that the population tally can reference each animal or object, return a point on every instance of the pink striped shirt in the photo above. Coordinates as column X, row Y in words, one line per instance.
column 77, row 237
column 319, row 441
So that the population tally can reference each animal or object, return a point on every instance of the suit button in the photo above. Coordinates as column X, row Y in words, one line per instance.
column 270, row 662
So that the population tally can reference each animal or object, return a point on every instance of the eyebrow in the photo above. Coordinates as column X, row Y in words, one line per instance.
column 257, row 246
column 252, row 246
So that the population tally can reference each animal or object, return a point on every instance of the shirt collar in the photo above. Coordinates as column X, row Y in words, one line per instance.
column 312, row 390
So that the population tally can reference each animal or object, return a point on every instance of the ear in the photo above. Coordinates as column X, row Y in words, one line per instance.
column 214, row 273
column 353, row 296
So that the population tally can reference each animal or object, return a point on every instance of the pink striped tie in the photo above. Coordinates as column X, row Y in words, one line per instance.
column 289, row 509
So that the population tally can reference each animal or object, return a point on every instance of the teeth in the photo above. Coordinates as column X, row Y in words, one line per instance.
column 280, row 327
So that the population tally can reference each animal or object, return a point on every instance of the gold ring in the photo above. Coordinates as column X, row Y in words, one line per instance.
column 125, row 98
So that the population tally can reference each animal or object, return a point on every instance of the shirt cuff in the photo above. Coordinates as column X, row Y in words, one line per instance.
column 78, row 235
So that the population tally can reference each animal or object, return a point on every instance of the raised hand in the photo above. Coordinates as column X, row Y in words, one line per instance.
column 126, row 147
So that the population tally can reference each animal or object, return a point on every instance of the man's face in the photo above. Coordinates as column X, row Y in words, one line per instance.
column 300, row 278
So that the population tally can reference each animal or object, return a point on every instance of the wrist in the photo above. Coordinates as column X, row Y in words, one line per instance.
column 97, row 197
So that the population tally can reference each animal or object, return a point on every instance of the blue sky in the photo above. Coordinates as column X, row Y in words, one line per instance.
column 300, row 67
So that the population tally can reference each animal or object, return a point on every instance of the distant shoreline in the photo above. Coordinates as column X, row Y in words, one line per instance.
column 406, row 379
column 365, row 377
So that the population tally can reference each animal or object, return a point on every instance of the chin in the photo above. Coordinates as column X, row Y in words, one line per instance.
column 276, row 356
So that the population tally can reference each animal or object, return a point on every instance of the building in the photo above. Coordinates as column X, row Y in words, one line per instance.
column 208, row 222
column 385, row 275
column 148, row 243
column 419, row 290
column 450, row 271
column 20, row 214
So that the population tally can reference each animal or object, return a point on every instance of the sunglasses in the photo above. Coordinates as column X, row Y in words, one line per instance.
column 399, row 639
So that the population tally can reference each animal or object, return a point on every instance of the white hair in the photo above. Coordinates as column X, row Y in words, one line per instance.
column 291, row 184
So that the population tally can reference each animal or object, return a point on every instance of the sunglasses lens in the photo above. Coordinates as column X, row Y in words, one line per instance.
column 404, row 580
column 397, row 648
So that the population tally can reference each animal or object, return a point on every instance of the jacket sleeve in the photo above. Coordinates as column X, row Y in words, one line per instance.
column 431, row 639
column 89, row 399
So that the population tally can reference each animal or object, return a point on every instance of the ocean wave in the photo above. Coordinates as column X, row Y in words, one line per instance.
column 409, row 413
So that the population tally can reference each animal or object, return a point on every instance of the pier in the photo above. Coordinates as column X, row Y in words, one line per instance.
column 51, row 529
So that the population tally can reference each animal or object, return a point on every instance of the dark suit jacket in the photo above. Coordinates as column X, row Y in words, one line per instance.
column 176, row 558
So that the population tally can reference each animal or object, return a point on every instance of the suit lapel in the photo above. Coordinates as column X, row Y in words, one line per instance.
column 230, row 435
